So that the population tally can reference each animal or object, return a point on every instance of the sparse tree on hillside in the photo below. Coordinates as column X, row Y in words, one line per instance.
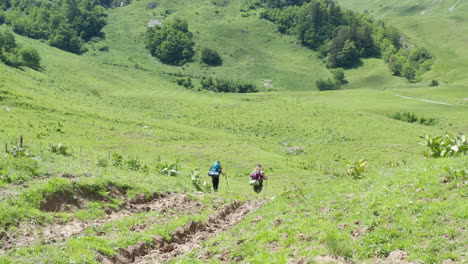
column 172, row 43
column 211, row 57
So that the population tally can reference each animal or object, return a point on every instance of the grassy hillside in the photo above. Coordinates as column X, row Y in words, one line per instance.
column 438, row 25
column 86, row 207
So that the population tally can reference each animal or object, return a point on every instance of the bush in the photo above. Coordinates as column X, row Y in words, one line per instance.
column 185, row 82
column 227, row 86
column 135, row 165
column 445, row 146
column 116, row 160
column 412, row 118
column 31, row 58
column 11, row 53
column 339, row 76
column 326, row 84
column 434, row 83
column 60, row 149
column 211, row 57
column 172, row 43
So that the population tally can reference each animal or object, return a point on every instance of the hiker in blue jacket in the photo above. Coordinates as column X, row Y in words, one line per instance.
column 216, row 171
column 257, row 177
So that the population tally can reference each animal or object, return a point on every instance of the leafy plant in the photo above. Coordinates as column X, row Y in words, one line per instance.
column 61, row 149
column 101, row 162
column 357, row 168
column 168, row 169
column 116, row 160
column 135, row 165
column 445, row 146
column 455, row 174
column 196, row 181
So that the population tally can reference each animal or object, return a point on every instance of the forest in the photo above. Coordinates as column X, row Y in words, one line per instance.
column 344, row 37
column 65, row 24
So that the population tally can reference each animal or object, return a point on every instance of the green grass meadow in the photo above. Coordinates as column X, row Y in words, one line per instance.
column 123, row 101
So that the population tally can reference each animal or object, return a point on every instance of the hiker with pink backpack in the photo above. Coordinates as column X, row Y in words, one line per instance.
column 257, row 177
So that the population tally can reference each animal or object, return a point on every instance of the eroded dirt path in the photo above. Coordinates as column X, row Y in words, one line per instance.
column 185, row 238
column 170, row 203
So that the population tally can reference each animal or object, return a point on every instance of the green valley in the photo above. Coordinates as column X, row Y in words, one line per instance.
column 105, row 152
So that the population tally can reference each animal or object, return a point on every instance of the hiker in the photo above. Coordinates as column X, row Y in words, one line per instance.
column 257, row 177
column 215, row 171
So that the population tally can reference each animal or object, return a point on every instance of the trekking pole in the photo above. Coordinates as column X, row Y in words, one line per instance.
column 227, row 182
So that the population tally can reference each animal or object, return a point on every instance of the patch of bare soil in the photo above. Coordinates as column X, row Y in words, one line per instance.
column 69, row 201
column 396, row 257
column 330, row 259
column 184, row 238
column 170, row 203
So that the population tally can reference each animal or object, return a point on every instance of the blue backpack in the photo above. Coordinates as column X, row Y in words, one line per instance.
column 215, row 170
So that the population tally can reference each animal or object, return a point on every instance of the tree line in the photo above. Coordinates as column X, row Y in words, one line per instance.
column 343, row 37
column 12, row 54
column 65, row 24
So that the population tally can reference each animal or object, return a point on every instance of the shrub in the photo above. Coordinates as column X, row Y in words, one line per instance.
column 185, row 82
column 31, row 58
column 101, row 162
column 434, row 83
column 61, row 149
column 357, row 168
column 11, row 53
column 211, row 57
column 135, row 165
column 412, row 118
column 445, row 146
column 339, row 76
column 116, row 160
column 326, row 84
column 227, row 86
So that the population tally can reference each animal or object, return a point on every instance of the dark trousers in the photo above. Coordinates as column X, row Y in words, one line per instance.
column 215, row 183
column 259, row 187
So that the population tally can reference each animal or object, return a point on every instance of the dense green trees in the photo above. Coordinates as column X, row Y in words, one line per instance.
column 12, row 54
column 343, row 37
column 67, row 24
column 171, row 43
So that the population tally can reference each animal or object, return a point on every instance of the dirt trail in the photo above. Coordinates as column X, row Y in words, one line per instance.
column 451, row 9
column 423, row 100
column 170, row 203
column 184, row 238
